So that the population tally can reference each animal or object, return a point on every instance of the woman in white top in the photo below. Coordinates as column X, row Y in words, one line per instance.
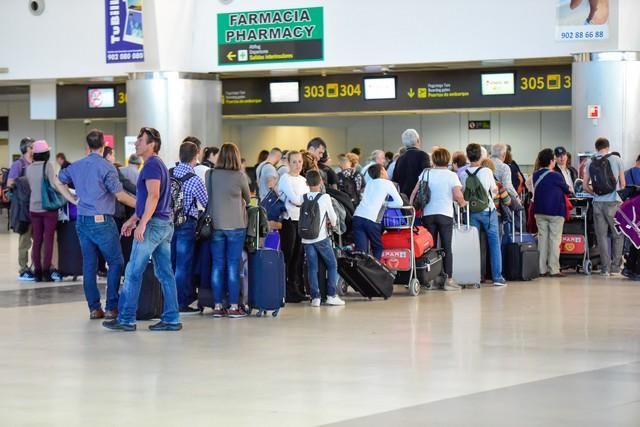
column 292, row 187
column 437, row 215
column 366, row 219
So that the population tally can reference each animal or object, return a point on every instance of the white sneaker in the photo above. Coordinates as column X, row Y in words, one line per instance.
column 334, row 300
column 315, row 302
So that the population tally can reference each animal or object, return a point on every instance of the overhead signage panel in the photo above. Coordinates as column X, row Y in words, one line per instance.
column 526, row 87
column 89, row 102
column 282, row 35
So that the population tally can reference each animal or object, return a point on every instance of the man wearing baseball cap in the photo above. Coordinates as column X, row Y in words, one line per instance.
column 569, row 174
column 17, row 170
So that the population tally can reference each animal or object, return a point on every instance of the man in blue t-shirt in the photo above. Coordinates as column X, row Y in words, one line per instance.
column 152, row 227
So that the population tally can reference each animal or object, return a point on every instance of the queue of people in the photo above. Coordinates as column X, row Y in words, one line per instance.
column 167, row 204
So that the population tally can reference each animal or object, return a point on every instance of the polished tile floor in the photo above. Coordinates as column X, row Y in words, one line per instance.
column 546, row 353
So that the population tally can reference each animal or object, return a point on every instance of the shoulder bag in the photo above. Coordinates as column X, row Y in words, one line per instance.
column 51, row 199
column 204, row 226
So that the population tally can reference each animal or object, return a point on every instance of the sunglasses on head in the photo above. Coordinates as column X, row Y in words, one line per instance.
column 154, row 134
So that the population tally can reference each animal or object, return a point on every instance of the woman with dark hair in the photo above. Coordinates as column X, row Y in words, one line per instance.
column 228, row 197
column 210, row 156
column 262, row 156
column 437, row 215
column 549, row 207
column 43, row 222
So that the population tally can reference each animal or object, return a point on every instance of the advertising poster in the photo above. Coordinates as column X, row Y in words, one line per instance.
column 582, row 20
column 124, row 40
column 129, row 147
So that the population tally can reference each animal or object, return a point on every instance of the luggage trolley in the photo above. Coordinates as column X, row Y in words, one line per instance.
column 402, row 259
column 576, row 248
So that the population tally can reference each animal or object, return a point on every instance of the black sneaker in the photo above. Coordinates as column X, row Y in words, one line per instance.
column 163, row 326
column 189, row 310
column 114, row 325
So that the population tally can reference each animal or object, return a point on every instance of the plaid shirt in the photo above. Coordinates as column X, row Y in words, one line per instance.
column 193, row 189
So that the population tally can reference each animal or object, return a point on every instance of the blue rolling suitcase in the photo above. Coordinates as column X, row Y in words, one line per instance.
column 266, row 281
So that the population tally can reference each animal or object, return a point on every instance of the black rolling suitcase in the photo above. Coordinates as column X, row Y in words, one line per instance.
column 366, row 275
column 69, row 251
column 520, row 258
column 151, row 300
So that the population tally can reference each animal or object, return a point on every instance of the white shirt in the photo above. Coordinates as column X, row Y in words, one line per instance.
column 488, row 182
column 326, row 213
column 374, row 199
column 291, row 189
column 441, row 183
column 567, row 177
column 201, row 171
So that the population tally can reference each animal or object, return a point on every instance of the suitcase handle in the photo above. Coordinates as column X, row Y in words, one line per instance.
column 513, row 225
column 459, row 219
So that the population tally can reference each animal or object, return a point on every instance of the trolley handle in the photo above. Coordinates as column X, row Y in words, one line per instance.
column 468, row 225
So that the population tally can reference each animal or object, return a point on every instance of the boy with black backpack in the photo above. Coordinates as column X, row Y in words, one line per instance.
column 315, row 213
column 603, row 177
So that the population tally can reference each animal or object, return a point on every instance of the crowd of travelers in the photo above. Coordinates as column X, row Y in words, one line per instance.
column 162, row 208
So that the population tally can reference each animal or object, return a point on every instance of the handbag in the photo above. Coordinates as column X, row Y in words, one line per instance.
column 423, row 195
column 51, row 199
column 568, row 207
column 204, row 226
column 273, row 205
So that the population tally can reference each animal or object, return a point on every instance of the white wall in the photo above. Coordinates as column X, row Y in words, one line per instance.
column 70, row 136
column 68, row 40
column 526, row 132
column 21, row 125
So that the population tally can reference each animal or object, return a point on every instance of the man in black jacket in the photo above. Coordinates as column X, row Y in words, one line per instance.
column 411, row 164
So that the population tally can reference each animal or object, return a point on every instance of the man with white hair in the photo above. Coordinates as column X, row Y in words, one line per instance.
column 503, row 172
column 377, row 158
column 411, row 164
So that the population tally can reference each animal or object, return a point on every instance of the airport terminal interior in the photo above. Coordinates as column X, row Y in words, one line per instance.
column 545, row 350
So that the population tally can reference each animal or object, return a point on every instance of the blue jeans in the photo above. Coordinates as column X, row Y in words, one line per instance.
column 226, row 254
column 488, row 221
column 102, row 237
column 157, row 246
column 324, row 250
column 365, row 231
column 182, row 252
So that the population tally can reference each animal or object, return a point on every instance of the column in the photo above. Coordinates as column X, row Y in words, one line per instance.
column 178, row 105
column 610, row 80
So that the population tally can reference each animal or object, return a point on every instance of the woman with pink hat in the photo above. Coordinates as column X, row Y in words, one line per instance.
column 43, row 218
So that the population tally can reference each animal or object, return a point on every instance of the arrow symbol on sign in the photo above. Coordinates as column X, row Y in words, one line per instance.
column 411, row 93
column 231, row 56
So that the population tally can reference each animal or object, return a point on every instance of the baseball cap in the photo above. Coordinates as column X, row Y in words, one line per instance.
column 40, row 146
column 559, row 151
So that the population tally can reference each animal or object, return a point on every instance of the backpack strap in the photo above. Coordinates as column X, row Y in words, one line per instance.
column 535, row 184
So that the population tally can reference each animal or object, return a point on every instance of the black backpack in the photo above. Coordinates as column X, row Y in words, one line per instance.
column 603, row 181
column 180, row 211
column 347, row 184
column 310, row 221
